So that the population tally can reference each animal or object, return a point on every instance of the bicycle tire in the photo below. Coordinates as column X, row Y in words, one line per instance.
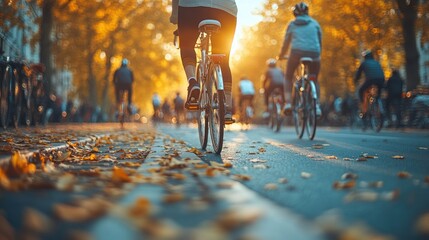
column 311, row 117
column 204, row 103
column 16, row 99
column 375, row 116
column 298, row 111
column 216, row 109
column 4, row 101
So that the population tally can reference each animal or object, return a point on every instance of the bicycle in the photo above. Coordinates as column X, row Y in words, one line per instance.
column 246, row 113
column 211, row 102
column 372, row 110
column 123, row 114
column 275, row 105
column 304, row 100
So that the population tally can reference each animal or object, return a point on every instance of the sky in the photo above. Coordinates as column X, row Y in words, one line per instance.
column 246, row 17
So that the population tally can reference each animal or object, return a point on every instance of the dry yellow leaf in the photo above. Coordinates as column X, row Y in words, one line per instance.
column 344, row 185
column 141, row 207
column 173, row 197
column 305, row 175
column 4, row 180
column 119, row 175
column 211, row 172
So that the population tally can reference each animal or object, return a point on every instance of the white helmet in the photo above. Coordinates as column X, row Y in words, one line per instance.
column 124, row 61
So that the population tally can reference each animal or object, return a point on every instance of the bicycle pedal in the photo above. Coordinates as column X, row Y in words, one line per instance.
column 229, row 121
column 192, row 106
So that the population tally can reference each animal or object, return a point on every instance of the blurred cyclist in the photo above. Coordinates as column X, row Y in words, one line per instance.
column 273, row 79
column 373, row 74
column 304, row 38
column 246, row 90
column 122, row 80
column 188, row 14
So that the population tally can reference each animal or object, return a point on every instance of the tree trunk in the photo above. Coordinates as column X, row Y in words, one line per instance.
column 109, row 54
column 92, row 85
column 45, row 41
column 408, row 16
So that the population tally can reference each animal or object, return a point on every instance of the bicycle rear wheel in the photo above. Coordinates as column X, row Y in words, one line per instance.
column 311, row 117
column 4, row 101
column 204, row 108
column 275, row 117
column 216, row 109
column 375, row 116
column 298, row 111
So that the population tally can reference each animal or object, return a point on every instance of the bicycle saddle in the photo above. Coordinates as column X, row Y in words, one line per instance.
column 209, row 25
column 306, row 60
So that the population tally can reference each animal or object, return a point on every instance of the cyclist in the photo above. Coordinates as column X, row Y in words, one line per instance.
column 156, row 103
column 122, row 80
column 273, row 79
column 304, row 38
column 187, row 15
column 373, row 75
column 246, row 90
column 178, row 106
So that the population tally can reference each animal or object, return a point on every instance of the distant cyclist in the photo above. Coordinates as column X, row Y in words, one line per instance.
column 122, row 80
column 273, row 79
column 246, row 90
column 156, row 103
column 304, row 38
column 188, row 14
column 179, row 106
column 373, row 74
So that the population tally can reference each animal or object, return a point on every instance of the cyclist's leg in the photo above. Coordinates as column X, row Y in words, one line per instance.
column 222, row 42
column 292, row 65
column 188, row 21
column 314, row 70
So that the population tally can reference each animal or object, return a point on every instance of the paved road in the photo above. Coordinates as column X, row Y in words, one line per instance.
column 382, row 179
column 345, row 184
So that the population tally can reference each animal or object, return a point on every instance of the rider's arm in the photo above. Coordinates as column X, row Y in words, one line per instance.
column 174, row 12
column 286, row 42
column 359, row 72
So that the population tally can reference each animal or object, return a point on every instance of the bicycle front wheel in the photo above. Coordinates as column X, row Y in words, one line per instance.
column 204, row 108
column 217, row 108
column 298, row 112
column 311, row 118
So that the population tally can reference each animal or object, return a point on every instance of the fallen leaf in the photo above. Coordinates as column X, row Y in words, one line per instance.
column 305, row 175
column 241, row 177
column 403, row 174
column 426, row 179
column 36, row 221
column 260, row 166
column 65, row 182
column 422, row 224
column 349, row 176
column 282, row 180
column 140, row 208
column 331, row 157
column 366, row 196
column 344, row 185
column 119, row 175
column 398, row 157
column 390, row 196
column 236, row 218
column 258, row 160
column 270, row 186
column 173, row 197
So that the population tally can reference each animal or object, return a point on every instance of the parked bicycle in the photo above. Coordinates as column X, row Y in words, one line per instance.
column 304, row 100
column 211, row 102
column 372, row 109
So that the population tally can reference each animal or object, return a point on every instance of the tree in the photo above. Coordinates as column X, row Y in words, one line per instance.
column 407, row 13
